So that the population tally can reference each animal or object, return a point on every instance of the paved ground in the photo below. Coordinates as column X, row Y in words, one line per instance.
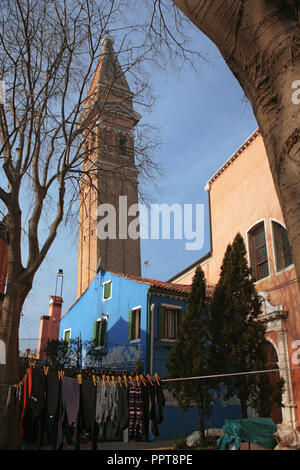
column 154, row 445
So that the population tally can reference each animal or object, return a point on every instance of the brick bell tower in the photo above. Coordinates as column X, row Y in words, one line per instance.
column 109, row 171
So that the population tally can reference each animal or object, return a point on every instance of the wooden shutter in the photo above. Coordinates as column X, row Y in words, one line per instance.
column 161, row 321
column 96, row 334
column 102, row 332
column 131, row 325
column 107, row 290
column 67, row 336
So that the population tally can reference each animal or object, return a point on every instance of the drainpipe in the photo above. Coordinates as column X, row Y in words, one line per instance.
column 152, row 339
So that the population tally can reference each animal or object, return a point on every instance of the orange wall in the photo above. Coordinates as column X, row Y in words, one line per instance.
column 240, row 196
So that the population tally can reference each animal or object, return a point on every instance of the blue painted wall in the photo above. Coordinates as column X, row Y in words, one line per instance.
column 161, row 349
column 126, row 294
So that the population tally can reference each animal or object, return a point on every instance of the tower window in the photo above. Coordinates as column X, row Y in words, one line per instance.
column 258, row 252
column 283, row 252
column 122, row 145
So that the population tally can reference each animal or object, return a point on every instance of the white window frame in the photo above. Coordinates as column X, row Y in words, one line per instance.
column 176, row 308
column 137, row 340
column 67, row 329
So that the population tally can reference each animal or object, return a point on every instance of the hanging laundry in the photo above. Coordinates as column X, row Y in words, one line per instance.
column 34, row 407
column 51, row 409
column 68, row 425
column 136, row 428
column 5, row 398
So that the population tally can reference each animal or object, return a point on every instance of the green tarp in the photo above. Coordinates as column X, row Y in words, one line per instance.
column 258, row 430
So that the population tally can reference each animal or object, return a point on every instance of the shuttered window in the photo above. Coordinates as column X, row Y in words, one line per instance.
column 168, row 322
column 67, row 335
column 258, row 252
column 99, row 333
column 134, row 324
column 107, row 290
column 283, row 252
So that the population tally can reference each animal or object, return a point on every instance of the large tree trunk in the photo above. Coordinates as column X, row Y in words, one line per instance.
column 18, row 288
column 260, row 42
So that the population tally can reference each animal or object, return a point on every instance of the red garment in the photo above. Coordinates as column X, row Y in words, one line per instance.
column 27, row 386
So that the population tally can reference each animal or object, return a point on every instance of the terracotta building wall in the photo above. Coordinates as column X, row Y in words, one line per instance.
column 242, row 193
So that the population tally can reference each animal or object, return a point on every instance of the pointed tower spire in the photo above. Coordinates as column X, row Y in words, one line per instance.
column 109, row 71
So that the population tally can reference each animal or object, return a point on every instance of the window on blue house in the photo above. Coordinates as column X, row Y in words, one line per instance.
column 99, row 333
column 107, row 288
column 67, row 335
column 134, row 324
column 67, row 339
column 168, row 321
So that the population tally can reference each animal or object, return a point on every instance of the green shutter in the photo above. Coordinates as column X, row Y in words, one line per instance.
column 131, row 325
column 102, row 332
column 161, row 321
column 67, row 336
column 96, row 333
column 107, row 290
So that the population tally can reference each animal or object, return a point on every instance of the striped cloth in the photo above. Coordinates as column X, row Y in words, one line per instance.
column 135, row 430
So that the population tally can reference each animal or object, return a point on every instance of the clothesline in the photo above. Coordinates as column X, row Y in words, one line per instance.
column 229, row 375
column 109, row 377
column 97, row 377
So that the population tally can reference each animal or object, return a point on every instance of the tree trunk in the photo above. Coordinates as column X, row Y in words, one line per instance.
column 259, row 40
column 9, row 371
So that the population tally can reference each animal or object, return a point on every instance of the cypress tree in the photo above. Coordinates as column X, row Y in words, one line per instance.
column 189, row 357
column 237, row 336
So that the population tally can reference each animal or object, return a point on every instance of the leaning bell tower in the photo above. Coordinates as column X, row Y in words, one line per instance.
column 108, row 172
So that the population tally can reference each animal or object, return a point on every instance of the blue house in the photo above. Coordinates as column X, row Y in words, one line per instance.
column 130, row 319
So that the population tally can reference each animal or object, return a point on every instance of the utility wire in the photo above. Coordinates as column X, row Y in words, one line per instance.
column 229, row 375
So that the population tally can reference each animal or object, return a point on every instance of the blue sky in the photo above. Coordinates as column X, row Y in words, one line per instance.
column 203, row 118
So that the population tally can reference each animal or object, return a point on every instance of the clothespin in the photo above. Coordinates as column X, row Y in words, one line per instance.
column 137, row 380
column 94, row 379
column 108, row 380
column 79, row 379
column 46, row 370
column 120, row 381
column 143, row 380
column 125, row 380
column 98, row 380
column 103, row 379
column 61, row 375
column 150, row 379
column 157, row 378
column 131, row 380
column 113, row 380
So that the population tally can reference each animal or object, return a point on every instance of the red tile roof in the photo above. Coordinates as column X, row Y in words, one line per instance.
column 168, row 286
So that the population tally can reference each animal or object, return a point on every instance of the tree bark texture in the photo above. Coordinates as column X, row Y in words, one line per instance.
column 260, row 42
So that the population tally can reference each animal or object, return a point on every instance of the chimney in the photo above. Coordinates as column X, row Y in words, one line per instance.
column 49, row 324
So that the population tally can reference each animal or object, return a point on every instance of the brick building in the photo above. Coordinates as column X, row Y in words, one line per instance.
column 242, row 198
column 109, row 171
